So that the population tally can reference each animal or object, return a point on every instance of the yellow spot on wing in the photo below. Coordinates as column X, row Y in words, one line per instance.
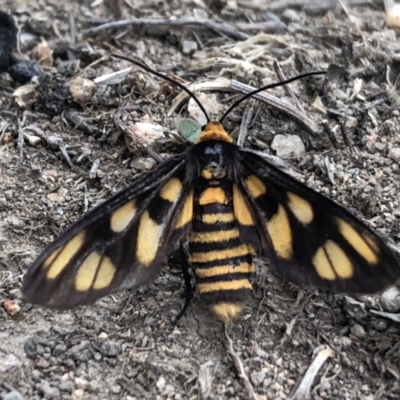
column 148, row 239
column 331, row 261
column 213, row 195
column 240, row 208
column 371, row 242
column 323, row 265
column 243, row 268
column 207, row 256
column 300, row 207
column 214, row 131
column 51, row 257
column 224, row 285
column 56, row 264
column 255, row 186
column 186, row 214
column 95, row 272
column 212, row 219
column 216, row 236
column 360, row 244
column 227, row 312
column 122, row 216
column 171, row 190
column 278, row 228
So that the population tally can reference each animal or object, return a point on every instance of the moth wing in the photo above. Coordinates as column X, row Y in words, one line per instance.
column 310, row 239
column 119, row 244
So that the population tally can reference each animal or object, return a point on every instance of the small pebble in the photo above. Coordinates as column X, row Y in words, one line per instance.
column 390, row 299
column 188, row 47
column 8, row 362
column 288, row 146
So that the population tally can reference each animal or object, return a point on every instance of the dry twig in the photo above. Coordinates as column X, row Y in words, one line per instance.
column 240, row 369
column 288, row 90
column 303, row 389
column 247, row 114
column 224, row 29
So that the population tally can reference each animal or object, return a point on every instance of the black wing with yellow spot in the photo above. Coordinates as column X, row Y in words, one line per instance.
column 120, row 244
column 310, row 239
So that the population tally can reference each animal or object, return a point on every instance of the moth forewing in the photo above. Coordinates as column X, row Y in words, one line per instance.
column 99, row 253
column 312, row 240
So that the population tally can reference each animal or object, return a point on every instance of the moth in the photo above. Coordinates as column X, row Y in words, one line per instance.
column 229, row 204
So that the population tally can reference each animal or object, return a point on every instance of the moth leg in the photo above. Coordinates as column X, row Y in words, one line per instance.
column 188, row 284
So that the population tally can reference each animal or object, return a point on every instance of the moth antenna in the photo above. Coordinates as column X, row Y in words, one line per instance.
column 270, row 86
column 166, row 78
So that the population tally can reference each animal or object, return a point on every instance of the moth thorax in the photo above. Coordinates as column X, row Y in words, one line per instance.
column 213, row 171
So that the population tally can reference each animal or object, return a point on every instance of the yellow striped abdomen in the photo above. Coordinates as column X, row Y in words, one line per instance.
column 222, row 263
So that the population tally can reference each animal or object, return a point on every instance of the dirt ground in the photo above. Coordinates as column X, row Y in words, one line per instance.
column 125, row 346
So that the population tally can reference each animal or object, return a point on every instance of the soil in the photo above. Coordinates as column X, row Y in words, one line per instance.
column 126, row 346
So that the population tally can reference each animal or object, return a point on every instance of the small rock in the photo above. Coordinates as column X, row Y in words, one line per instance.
column 14, row 395
column 392, row 15
column 257, row 377
column 82, row 90
column 357, row 330
column 142, row 135
column 43, row 54
column 390, row 299
column 78, row 394
column 59, row 196
column 103, row 336
column 81, row 383
column 394, row 153
column 6, row 138
column 345, row 341
column 60, row 348
column 49, row 392
column 351, row 122
column 42, row 363
column 12, row 307
column 161, row 383
column 287, row 146
column 9, row 362
column 8, row 194
column 188, row 47
column 66, row 387
column 115, row 389
column 290, row 15
column 143, row 163
column 110, row 349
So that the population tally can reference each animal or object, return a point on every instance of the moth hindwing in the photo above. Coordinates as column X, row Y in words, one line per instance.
column 228, row 203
